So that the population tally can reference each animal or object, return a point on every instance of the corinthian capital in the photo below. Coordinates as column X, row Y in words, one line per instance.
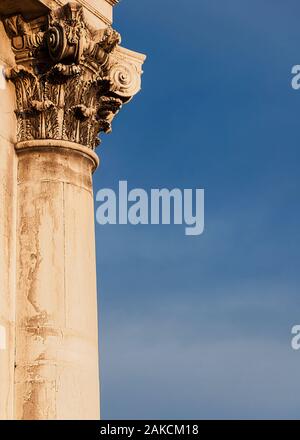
column 71, row 79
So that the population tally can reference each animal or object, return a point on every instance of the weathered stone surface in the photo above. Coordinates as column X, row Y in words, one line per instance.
column 56, row 332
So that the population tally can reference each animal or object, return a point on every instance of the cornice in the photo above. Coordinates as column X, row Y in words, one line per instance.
column 85, row 3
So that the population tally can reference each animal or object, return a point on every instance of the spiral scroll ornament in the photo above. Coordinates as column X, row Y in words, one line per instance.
column 61, row 48
column 125, row 79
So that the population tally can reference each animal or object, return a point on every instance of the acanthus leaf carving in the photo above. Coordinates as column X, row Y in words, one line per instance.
column 70, row 79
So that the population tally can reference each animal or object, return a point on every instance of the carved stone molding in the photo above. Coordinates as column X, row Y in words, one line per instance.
column 71, row 80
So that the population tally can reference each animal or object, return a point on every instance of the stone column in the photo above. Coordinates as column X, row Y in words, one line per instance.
column 56, row 313
column 70, row 81
column 8, row 165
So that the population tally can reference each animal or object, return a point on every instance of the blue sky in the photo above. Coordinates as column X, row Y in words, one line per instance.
column 199, row 327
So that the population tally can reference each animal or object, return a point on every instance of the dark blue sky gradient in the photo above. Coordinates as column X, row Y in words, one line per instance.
column 199, row 327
